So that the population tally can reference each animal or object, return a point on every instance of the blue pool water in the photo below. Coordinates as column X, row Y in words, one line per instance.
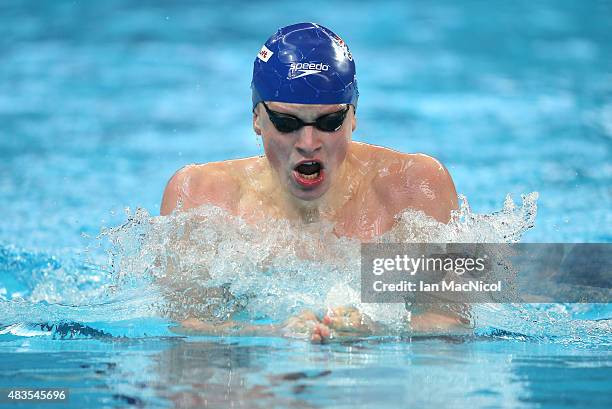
column 101, row 102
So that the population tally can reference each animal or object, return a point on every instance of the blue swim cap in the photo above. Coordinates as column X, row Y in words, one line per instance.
column 305, row 63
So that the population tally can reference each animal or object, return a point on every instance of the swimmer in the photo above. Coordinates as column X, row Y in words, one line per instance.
column 304, row 101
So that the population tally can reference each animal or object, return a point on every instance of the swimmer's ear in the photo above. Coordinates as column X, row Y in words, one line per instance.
column 256, row 125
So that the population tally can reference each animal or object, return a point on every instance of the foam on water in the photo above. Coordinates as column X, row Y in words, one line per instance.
column 208, row 264
column 275, row 269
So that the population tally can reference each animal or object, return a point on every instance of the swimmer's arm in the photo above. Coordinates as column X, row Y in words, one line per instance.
column 421, row 183
column 432, row 322
column 195, row 185
column 348, row 321
column 228, row 328
column 303, row 325
column 176, row 195
column 439, row 198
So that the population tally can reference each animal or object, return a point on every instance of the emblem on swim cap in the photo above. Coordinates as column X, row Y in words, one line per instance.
column 305, row 63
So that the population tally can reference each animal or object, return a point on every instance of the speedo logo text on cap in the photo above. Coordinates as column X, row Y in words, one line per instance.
column 302, row 69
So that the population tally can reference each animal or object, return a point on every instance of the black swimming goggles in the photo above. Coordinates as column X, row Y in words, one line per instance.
column 286, row 123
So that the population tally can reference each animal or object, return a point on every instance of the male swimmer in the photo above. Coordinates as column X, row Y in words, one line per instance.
column 305, row 96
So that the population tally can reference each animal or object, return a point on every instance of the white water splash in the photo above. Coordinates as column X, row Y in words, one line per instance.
column 207, row 264
column 210, row 264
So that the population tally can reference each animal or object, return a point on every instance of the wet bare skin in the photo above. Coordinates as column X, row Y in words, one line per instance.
column 338, row 323
column 372, row 190
column 364, row 188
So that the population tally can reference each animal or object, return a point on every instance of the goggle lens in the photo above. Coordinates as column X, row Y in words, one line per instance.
column 286, row 123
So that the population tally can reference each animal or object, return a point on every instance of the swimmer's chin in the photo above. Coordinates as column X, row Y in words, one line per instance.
column 308, row 198
column 308, row 194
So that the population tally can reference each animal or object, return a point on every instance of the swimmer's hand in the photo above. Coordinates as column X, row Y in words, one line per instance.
column 339, row 323
column 306, row 325
column 349, row 321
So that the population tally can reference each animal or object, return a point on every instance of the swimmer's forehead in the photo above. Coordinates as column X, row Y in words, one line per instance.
column 304, row 109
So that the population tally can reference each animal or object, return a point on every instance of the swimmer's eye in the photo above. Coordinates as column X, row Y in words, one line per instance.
column 286, row 123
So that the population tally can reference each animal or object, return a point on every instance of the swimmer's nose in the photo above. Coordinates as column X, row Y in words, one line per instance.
column 308, row 142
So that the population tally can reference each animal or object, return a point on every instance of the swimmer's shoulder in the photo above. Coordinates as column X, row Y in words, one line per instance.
column 387, row 160
column 411, row 180
column 216, row 183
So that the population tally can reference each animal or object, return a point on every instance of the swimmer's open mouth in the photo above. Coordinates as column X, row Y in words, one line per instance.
column 309, row 170
column 309, row 173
